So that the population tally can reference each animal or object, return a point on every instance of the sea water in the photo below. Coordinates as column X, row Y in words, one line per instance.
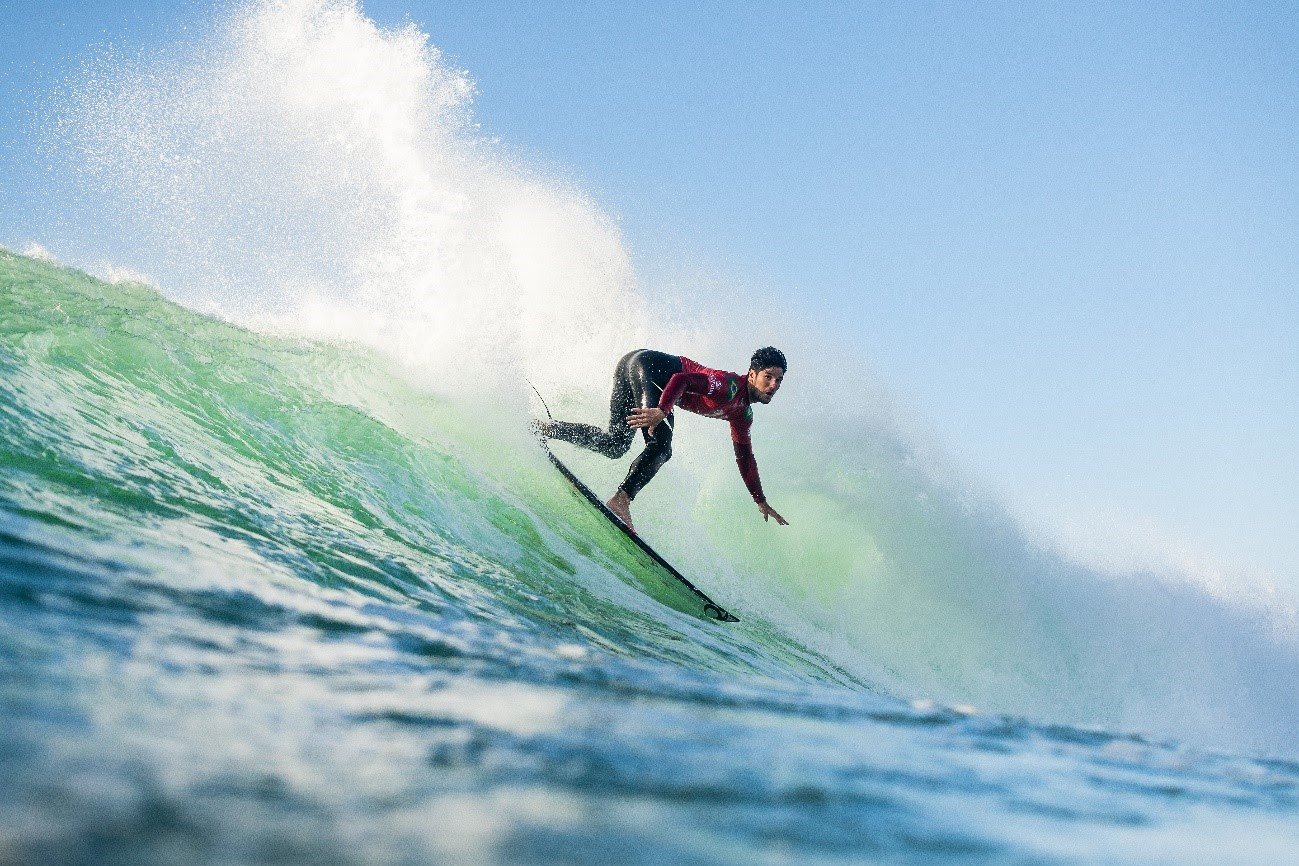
column 283, row 577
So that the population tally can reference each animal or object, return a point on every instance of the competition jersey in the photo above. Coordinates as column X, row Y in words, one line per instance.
column 718, row 394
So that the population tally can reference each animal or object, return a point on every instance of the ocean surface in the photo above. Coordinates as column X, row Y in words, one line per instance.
column 264, row 601
column 284, row 578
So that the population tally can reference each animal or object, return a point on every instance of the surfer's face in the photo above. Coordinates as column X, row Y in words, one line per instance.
column 764, row 383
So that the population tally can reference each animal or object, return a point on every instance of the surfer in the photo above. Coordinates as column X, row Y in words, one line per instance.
column 647, row 386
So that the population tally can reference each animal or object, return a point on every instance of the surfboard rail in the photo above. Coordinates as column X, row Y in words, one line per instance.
column 711, row 609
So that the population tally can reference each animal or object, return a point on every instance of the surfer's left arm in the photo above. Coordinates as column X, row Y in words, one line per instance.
column 749, row 470
column 768, row 511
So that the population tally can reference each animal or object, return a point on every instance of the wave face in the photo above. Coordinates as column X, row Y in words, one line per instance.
column 284, row 527
column 266, row 599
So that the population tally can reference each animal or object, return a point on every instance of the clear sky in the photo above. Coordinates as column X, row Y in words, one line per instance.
column 1067, row 233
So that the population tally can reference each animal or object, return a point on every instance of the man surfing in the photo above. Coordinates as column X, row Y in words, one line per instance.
column 647, row 386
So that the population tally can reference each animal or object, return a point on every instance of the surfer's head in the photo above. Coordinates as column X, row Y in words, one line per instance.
column 766, row 372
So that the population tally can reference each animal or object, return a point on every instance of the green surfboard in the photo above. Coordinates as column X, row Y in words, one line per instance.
column 692, row 600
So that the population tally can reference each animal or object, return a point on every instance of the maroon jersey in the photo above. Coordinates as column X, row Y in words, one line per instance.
column 718, row 394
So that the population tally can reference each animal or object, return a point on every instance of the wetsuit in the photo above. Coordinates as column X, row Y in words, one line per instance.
column 718, row 394
column 646, row 378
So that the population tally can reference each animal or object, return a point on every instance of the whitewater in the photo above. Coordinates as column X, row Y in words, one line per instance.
column 284, row 577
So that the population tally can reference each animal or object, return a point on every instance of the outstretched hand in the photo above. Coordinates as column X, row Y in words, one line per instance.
column 647, row 418
column 768, row 511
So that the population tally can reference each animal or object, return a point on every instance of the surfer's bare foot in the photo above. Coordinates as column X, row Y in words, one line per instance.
column 620, row 505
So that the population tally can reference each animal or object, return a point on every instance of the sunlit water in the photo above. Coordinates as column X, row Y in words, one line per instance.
column 263, row 601
column 302, row 588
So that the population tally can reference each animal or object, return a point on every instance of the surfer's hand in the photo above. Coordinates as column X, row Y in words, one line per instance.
column 768, row 511
column 647, row 418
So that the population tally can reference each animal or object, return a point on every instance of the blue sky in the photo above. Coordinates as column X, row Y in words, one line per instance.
column 1066, row 233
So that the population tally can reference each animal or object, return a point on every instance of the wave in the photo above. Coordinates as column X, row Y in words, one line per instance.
column 395, row 275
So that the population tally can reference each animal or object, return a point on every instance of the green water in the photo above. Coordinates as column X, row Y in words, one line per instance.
column 269, row 600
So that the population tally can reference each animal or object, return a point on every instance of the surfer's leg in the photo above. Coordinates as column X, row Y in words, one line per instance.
column 615, row 441
column 658, row 450
column 587, row 436
column 650, row 372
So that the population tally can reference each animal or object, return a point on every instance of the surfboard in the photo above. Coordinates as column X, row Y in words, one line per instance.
column 696, row 601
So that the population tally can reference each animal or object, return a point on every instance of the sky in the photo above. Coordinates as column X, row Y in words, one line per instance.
column 1065, row 233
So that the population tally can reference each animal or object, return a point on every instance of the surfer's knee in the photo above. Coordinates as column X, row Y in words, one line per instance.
column 657, row 453
column 620, row 443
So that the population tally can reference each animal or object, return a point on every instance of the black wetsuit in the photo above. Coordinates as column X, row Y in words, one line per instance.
column 638, row 380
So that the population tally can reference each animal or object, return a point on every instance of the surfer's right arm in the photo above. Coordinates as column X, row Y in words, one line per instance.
column 695, row 383
column 649, row 418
